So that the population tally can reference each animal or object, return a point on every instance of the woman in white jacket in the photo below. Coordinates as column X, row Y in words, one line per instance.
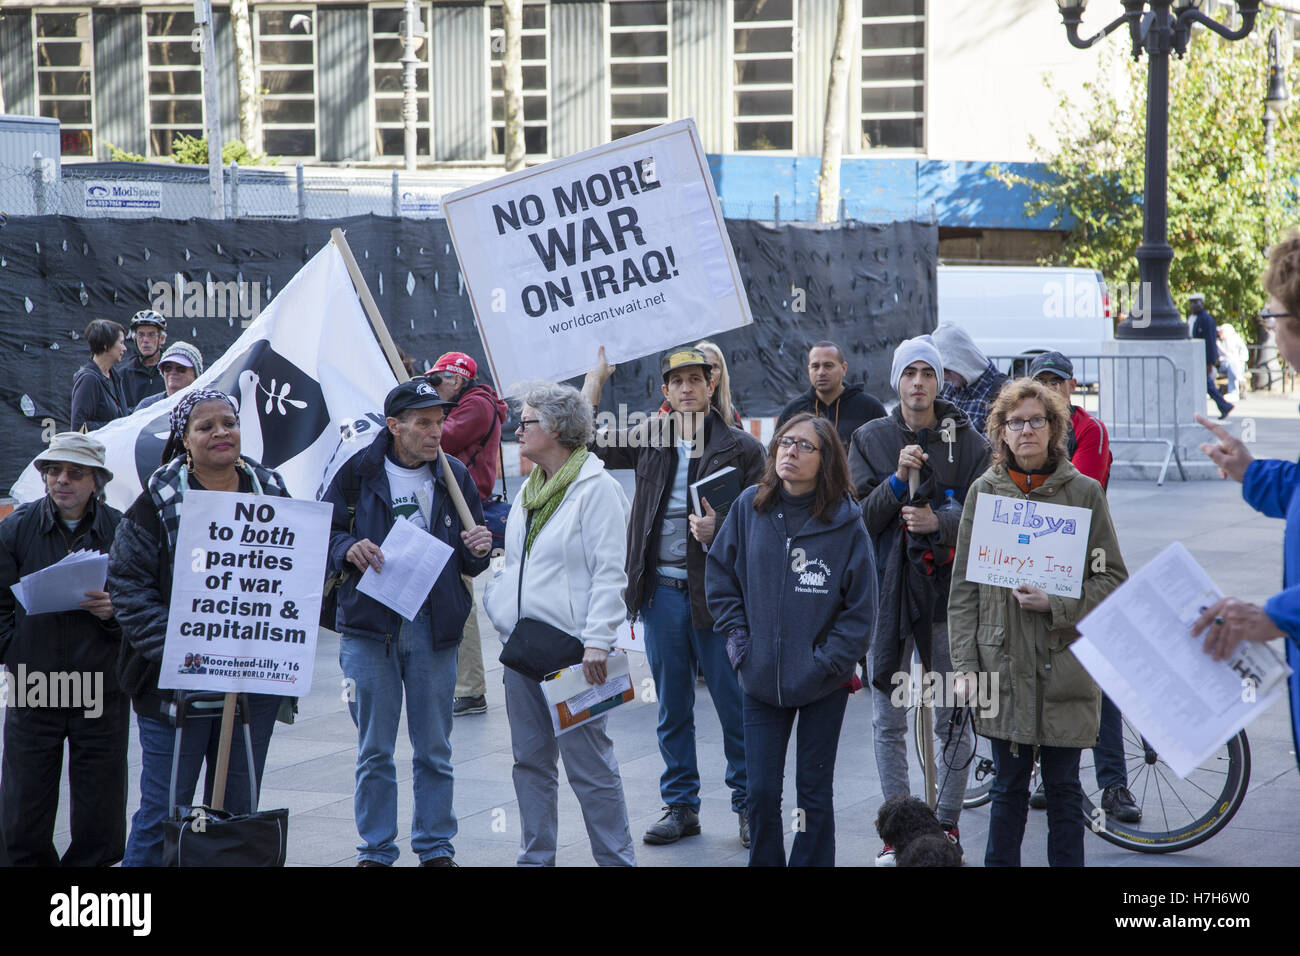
column 568, row 531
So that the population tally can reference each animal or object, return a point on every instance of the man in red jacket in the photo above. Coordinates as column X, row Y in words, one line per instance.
column 471, row 432
column 1090, row 453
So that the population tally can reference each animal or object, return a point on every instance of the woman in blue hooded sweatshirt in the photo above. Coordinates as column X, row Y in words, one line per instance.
column 1272, row 487
column 791, row 581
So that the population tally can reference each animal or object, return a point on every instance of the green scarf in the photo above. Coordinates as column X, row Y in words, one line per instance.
column 542, row 497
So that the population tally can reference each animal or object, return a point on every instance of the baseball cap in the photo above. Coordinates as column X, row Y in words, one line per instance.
column 684, row 358
column 1053, row 362
column 182, row 353
column 75, row 448
column 416, row 393
column 457, row 362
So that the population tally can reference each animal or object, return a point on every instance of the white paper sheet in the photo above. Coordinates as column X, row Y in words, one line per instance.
column 63, row 585
column 1137, row 645
column 413, row 559
column 570, row 687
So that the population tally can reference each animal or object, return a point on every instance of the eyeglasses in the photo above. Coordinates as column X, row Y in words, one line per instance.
column 1051, row 381
column 805, row 446
column 525, row 422
column 74, row 474
column 1018, row 424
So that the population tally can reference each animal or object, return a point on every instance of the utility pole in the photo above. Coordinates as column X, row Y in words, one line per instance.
column 211, row 111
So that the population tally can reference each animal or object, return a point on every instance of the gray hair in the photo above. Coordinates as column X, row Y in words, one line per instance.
column 561, row 409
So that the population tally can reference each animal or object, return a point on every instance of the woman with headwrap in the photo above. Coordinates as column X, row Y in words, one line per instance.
column 202, row 454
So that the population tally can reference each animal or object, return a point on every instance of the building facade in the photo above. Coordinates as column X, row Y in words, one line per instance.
column 939, row 89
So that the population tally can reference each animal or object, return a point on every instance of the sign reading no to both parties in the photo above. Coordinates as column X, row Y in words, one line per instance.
column 246, row 594
column 623, row 245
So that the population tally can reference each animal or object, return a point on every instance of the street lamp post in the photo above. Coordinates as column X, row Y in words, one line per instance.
column 412, row 41
column 1274, row 99
column 1162, row 29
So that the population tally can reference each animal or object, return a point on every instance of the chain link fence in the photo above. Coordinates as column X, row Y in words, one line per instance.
column 167, row 191
column 128, row 190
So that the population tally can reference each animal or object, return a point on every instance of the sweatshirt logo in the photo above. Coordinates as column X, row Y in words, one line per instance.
column 813, row 572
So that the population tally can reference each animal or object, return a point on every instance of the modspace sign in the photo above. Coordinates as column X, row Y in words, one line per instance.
column 623, row 245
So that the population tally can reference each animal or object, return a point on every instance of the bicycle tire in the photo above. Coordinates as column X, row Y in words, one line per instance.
column 1225, row 775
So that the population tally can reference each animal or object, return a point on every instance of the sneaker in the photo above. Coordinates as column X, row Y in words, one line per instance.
column 744, row 828
column 469, row 705
column 1226, row 412
column 371, row 863
column 1118, row 802
column 1038, row 799
column 678, row 821
column 886, row 856
column 441, row 860
column 954, row 837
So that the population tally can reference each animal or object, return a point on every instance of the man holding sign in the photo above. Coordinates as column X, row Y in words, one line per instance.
column 382, row 654
column 1013, row 608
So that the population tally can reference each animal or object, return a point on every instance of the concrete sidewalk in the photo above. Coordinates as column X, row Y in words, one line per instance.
column 310, row 766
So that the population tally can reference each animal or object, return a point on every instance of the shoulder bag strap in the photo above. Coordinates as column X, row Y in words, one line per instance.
column 519, row 595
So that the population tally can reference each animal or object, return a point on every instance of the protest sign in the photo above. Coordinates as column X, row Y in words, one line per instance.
column 623, row 245
column 1014, row 541
column 246, row 594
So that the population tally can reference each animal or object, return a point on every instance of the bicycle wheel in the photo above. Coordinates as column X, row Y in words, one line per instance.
column 1176, row 814
column 979, row 782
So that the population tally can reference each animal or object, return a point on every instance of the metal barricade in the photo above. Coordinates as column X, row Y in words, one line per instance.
column 1135, row 396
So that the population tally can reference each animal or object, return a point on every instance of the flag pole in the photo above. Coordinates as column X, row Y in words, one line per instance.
column 395, row 361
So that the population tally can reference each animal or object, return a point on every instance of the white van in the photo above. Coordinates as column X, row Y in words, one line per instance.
column 1024, row 310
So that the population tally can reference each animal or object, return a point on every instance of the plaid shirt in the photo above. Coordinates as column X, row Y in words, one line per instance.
column 974, row 399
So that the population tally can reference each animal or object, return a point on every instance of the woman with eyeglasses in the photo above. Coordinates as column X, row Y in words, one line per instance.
column 566, row 545
column 791, row 581
column 1043, row 699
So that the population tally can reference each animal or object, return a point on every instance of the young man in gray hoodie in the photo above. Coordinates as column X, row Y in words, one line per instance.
column 930, row 439
column 971, row 380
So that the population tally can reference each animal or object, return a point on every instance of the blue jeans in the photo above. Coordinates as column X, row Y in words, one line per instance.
column 1213, row 388
column 767, row 735
column 1108, row 755
column 199, row 741
column 428, row 676
column 677, row 652
column 1060, row 769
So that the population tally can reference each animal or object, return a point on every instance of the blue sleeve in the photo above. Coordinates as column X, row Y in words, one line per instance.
column 899, row 488
column 1269, row 484
column 1284, row 610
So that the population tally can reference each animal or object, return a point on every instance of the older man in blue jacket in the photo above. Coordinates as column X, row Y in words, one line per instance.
column 400, row 476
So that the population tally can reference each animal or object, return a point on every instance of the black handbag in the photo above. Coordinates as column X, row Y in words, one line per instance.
column 535, row 648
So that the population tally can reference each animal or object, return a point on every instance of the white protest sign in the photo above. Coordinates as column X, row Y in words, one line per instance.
column 623, row 245
column 246, row 594
column 1014, row 541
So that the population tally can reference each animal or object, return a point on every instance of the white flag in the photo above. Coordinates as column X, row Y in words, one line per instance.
column 308, row 376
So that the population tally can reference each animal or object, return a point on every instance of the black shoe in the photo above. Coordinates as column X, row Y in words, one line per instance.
column 1038, row 799
column 371, row 863
column 469, row 705
column 744, row 828
column 440, row 860
column 1226, row 412
column 1118, row 802
column 678, row 821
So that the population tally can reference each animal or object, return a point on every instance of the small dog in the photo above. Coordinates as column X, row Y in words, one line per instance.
column 905, row 821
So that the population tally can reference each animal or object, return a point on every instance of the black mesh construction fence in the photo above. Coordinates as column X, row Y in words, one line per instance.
column 864, row 286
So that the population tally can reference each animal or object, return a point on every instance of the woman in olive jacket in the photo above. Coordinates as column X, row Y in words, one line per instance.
column 1043, row 698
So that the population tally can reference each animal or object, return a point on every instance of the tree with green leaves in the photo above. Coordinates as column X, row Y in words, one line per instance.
column 1226, row 204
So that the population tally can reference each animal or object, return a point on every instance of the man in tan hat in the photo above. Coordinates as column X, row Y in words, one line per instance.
column 61, row 679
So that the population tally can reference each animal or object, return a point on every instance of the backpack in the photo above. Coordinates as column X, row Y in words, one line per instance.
column 349, row 480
